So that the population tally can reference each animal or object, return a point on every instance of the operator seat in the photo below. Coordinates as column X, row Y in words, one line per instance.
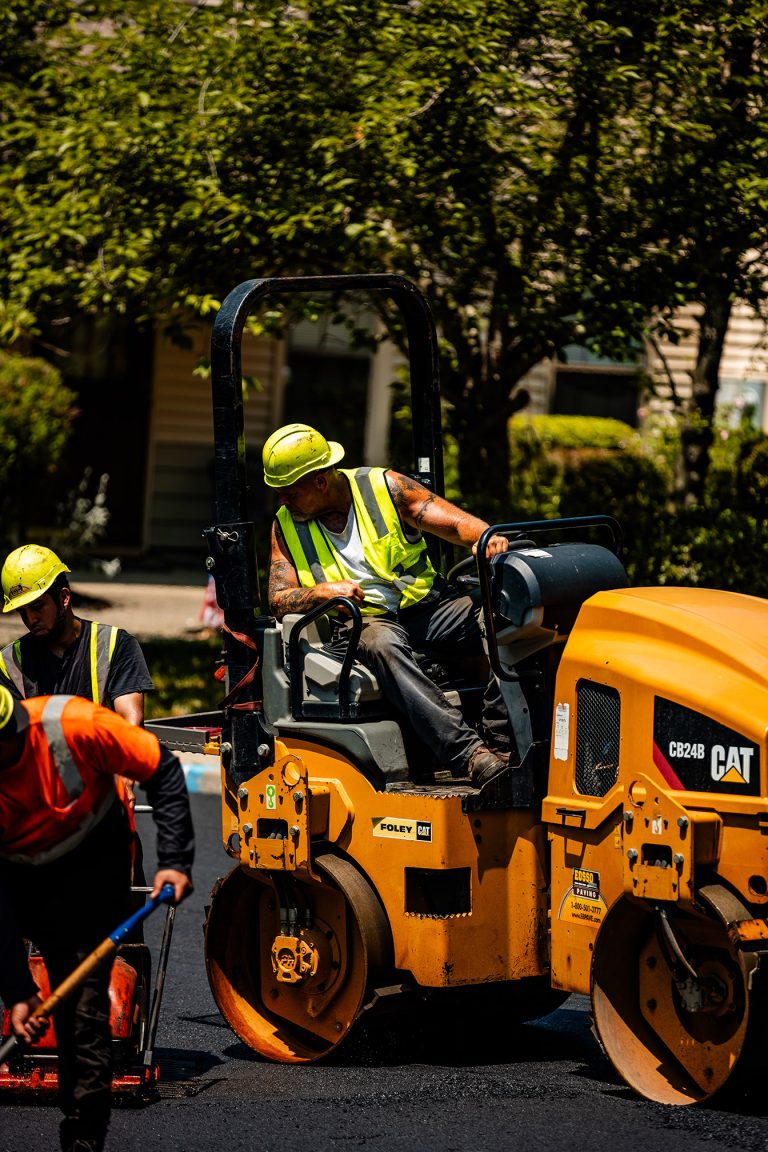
column 304, row 701
column 320, row 671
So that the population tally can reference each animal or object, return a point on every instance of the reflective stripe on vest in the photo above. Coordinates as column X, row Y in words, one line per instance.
column 69, row 773
column 103, row 639
column 72, row 782
column 394, row 555
column 10, row 659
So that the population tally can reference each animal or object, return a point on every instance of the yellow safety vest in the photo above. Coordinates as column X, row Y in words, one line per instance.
column 401, row 560
column 103, row 638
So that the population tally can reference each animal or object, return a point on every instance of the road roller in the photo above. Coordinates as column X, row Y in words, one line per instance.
column 656, row 820
column 623, row 854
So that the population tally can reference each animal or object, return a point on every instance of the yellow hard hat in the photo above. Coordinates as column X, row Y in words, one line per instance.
column 27, row 573
column 295, row 450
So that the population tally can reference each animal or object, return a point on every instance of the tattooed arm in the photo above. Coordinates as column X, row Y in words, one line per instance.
column 422, row 509
column 287, row 595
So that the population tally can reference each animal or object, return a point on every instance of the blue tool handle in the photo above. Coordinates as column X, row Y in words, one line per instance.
column 102, row 951
column 164, row 896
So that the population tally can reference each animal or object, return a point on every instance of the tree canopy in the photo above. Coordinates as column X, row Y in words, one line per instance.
column 548, row 174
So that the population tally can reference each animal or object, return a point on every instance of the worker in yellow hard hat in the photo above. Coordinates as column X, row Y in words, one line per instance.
column 61, row 651
column 357, row 532
column 67, row 654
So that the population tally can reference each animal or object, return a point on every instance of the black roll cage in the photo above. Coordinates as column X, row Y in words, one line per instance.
column 247, row 744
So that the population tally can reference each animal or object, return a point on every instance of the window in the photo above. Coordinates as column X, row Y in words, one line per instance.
column 589, row 385
column 330, row 392
column 738, row 400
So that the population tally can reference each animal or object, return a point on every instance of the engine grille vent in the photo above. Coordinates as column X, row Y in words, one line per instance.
column 598, row 716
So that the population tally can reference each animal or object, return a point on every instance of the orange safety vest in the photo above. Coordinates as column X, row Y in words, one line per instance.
column 63, row 783
column 103, row 639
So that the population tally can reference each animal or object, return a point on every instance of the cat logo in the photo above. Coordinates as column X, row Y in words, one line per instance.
column 731, row 765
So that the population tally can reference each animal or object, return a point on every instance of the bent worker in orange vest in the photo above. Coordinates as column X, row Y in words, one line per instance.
column 65, row 874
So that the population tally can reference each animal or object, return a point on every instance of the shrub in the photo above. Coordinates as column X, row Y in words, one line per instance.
column 36, row 411
column 725, row 543
column 727, row 549
column 565, row 466
column 583, row 466
column 751, row 479
column 183, row 675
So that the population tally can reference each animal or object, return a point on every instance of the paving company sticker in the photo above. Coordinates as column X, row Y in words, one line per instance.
column 398, row 828
column 582, row 903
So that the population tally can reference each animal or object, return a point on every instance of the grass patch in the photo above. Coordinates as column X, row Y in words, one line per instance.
column 183, row 675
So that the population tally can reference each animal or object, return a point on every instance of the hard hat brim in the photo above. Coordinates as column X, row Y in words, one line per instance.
column 23, row 599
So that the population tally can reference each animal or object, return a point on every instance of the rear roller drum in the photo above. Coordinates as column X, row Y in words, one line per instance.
column 288, row 960
column 672, row 1002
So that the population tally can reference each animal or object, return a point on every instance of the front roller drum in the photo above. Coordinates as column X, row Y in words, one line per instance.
column 679, row 1010
column 291, row 986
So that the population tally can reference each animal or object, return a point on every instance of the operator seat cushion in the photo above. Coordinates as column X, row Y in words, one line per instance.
column 373, row 744
column 315, row 634
column 321, row 663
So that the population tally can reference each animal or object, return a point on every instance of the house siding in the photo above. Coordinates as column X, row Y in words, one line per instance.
column 179, row 502
column 743, row 360
column 180, row 464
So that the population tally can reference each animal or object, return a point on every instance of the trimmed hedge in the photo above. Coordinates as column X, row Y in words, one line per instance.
column 584, row 466
column 576, row 466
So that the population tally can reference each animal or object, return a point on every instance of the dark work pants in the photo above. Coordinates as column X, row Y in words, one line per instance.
column 66, row 908
column 446, row 629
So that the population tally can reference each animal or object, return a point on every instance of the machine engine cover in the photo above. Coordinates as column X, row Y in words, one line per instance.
column 537, row 593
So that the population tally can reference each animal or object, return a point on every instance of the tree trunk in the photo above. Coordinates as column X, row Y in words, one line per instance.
column 478, row 421
column 483, row 447
column 697, row 431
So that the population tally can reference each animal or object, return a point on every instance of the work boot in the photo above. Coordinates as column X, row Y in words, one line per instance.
column 74, row 1139
column 484, row 766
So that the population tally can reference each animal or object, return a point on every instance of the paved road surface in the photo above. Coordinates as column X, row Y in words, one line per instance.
column 545, row 1086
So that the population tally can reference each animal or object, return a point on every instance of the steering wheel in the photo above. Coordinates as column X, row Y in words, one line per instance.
column 464, row 574
column 461, row 576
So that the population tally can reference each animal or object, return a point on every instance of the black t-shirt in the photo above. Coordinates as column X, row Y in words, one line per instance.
column 70, row 674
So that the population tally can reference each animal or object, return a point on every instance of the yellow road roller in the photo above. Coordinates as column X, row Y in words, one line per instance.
column 624, row 857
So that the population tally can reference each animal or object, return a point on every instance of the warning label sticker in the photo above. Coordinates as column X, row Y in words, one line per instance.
column 562, row 731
